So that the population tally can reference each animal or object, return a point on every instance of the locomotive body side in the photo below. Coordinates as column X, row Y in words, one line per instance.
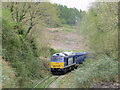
column 69, row 63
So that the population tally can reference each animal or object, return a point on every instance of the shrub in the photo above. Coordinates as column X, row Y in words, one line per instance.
column 100, row 24
column 94, row 71
column 22, row 55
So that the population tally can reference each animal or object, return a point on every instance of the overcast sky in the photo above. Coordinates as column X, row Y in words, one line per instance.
column 79, row 4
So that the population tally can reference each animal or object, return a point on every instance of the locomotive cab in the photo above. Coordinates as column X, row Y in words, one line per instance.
column 61, row 62
column 57, row 62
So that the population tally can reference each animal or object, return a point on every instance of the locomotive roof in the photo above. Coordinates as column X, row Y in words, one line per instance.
column 81, row 53
column 64, row 54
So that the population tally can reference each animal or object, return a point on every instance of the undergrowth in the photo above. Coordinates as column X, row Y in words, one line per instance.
column 23, row 53
column 93, row 71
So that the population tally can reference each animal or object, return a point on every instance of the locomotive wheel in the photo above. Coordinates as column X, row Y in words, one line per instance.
column 70, row 68
column 53, row 73
column 65, row 70
column 76, row 67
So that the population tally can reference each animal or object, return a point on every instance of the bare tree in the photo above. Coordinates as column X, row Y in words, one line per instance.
column 31, row 13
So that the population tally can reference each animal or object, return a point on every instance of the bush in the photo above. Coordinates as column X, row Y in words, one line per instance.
column 22, row 55
column 100, row 24
column 94, row 71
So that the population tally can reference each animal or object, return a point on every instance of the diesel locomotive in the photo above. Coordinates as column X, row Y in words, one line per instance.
column 66, row 61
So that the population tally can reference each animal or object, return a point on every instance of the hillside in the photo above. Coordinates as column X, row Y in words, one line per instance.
column 101, row 73
column 33, row 32
column 66, row 38
column 9, row 79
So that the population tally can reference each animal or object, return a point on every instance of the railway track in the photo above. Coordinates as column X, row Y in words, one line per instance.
column 48, row 80
column 45, row 82
column 51, row 82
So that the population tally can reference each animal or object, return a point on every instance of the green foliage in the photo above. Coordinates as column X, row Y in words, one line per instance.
column 95, row 71
column 30, row 14
column 46, row 82
column 21, row 53
column 8, row 76
column 68, row 15
column 100, row 24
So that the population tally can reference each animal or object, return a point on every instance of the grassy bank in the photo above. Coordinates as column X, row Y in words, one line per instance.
column 93, row 71
column 23, row 53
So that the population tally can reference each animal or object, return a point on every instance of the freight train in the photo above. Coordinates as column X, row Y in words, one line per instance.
column 66, row 61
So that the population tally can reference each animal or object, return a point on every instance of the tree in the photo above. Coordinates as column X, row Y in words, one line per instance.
column 68, row 15
column 100, row 24
column 31, row 14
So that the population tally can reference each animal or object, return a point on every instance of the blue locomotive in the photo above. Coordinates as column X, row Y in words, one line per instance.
column 66, row 61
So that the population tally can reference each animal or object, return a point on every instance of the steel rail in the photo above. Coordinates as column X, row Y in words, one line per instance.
column 41, row 81
column 50, row 82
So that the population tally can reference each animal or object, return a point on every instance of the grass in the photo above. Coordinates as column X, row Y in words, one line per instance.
column 72, row 50
column 46, row 82
column 56, row 31
column 68, row 26
column 66, row 82
column 93, row 71
column 67, row 30
column 23, row 55
column 8, row 76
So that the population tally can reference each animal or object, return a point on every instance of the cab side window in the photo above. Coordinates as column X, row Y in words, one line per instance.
column 66, row 61
column 74, row 59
